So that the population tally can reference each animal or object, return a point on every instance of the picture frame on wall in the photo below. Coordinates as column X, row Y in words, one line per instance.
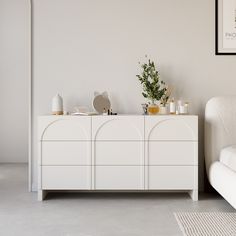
column 225, row 27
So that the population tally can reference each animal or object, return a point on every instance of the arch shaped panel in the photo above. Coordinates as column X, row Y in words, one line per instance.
column 172, row 129
column 118, row 128
column 67, row 129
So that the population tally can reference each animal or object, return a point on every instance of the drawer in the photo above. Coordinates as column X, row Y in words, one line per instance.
column 118, row 128
column 64, row 128
column 119, row 153
column 66, row 177
column 119, row 177
column 172, row 153
column 172, row 177
column 171, row 128
column 66, row 153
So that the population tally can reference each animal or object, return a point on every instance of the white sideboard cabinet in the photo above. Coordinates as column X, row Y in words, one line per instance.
column 115, row 153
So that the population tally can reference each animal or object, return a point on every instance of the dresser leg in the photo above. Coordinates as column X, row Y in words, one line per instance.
column 41, row 194
column 194, row 195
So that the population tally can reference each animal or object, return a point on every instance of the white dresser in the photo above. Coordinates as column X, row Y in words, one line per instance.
column 124, row 152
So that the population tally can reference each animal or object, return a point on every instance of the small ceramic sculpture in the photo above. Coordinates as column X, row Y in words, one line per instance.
column 57, row 105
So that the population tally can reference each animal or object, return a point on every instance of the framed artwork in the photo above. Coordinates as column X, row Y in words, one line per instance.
column 225, row 23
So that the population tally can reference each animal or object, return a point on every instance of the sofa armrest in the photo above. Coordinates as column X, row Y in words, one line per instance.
column 220, row 123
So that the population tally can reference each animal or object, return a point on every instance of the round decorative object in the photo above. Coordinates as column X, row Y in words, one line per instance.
column 101, row 102
column 57, row 105
column 153, row 109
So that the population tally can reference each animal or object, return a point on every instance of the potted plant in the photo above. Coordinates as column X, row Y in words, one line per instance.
column 164, row 100
column 153, row 87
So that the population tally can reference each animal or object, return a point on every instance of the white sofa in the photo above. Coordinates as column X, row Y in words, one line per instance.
column 220, row 146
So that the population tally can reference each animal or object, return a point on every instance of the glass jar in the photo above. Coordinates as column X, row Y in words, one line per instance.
column 153, row 109
column 163, row 110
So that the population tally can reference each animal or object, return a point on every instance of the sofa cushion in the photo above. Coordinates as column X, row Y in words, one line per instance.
column 228, row 157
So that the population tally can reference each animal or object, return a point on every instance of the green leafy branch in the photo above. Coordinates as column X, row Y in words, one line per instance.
column 153, row 88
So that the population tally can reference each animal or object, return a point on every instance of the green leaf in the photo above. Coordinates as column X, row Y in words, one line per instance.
column 153, row 87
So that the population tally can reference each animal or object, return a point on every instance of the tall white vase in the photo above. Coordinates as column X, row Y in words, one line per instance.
column 57, row 105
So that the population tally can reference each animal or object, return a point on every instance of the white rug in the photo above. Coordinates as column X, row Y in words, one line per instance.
column 207, row 224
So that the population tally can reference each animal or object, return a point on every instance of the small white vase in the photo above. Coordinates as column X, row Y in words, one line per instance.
column 57, row 105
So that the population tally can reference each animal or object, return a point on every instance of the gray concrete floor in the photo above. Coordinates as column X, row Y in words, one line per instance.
column 92, row 214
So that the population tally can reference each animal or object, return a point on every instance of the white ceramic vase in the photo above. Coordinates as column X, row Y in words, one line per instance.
column 57, row 105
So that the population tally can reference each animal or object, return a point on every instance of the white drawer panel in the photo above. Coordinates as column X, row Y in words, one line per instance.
column 119, row 153
column 66, row 177
column 118, row 128
column 171, row 127
column 66, row 153
column 119, row 177
column 172, row 153
column 171, row 177
column 64, row 128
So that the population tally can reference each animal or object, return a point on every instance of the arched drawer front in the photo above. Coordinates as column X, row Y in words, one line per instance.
column 121, row 128
column 66, row 129
column 171, row 128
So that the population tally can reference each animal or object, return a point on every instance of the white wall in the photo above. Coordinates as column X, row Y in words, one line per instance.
column 14, row 77
column 86, row 45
